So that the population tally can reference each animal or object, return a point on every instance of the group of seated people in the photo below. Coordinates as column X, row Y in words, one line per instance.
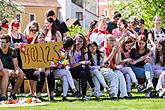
column 122, row 60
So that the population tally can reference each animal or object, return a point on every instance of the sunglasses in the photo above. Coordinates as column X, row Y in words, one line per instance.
column 33, row 30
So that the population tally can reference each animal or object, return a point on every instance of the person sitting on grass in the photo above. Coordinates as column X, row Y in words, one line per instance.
column 8, row 57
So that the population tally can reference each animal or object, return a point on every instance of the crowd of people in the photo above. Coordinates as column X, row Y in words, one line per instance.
column 115, row 56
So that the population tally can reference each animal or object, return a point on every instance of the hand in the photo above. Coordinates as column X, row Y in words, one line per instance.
column 133, row 62
column 148, row 60
column 47, row 72
column 128, row 60
column 16, row 45
column 115, row 48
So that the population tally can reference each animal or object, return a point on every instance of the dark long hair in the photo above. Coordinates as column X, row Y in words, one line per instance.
column 127, row 41
column 162, row 43
column 54, row 26
column 141, row 38
column 98, row 53
column 83, row 48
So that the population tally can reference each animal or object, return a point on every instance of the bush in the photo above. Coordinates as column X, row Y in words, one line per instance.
column 73, row 30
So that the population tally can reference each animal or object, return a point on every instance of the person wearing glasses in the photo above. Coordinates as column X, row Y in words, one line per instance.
column 157, row 32
column 30, row 31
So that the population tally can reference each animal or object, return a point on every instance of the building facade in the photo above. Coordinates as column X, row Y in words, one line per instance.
column 35, row 10
column 105, row 8
column 84, row 10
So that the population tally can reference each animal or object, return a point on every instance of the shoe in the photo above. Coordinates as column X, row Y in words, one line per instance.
column 111, row 94
column 161, row 93
column 125, row 97
column 129, row 94
column 95, row 93
column 52, row 99
column 65, row 99
column 23, row 95
column 150, row 86
column 113, row 98
column 3, row 98
column 140, row 88
column 148, row 94
column 77, row 94
column 85, row 98
column 42, row 99
column 13, row 97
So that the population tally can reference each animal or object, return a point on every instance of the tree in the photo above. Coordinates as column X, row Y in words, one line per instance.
column 145, row 9
column 8, row 9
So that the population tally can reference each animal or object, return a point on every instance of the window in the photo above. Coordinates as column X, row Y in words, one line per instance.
column 18, row 17
column 106, row 12
column 31, row 17
column 78, row 2
column 79, row 16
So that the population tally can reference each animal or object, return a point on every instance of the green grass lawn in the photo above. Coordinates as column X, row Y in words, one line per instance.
column 139, row 102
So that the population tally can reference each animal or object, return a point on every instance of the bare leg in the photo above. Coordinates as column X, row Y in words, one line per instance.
column 20, row 77
column 4, row 83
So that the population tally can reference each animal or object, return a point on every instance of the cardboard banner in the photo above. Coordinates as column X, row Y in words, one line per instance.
column 40, row 55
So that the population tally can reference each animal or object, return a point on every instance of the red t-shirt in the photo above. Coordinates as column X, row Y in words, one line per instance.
column 112, row 63
column 29, row 39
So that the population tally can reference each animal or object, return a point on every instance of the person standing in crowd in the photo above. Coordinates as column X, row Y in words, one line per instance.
column 101, row 31
column 4, row 27
column 157, row 32
column 113, row 23
column 52, row 34
column 143, row 30
column 141, row 62
column 133, row 25
column 8, row 56
column 61, row 26
column 92, row 26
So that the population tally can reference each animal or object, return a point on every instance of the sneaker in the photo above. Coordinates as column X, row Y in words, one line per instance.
column 140, row 88
column 42, row 99
column 65, row 99
column 85, row 98
column 13, row 97
column 161, row 93
column 147, row 94
column 129, row 94
column 77, row 94
column 95, row 93
column 3, row 98
column 150, row 86
column 111, row 94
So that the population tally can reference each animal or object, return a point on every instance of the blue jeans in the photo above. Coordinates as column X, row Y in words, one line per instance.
column 140, row 71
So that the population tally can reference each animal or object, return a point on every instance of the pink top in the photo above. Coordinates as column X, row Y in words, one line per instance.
column 117, row 34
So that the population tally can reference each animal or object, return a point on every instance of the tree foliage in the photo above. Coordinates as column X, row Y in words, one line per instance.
column 73, row 30
column 8, row 9
column 145, row 9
